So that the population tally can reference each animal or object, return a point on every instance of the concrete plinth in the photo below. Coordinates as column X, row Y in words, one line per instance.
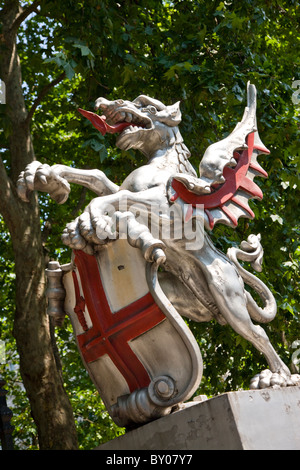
column 250, row 420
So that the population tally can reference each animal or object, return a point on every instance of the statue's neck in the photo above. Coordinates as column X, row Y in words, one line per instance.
column 168, row 154
column 174, row 158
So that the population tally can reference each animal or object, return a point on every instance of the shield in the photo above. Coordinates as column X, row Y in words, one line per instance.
column 138, row 351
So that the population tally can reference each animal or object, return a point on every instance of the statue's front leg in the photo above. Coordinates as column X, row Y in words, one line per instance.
column 95, row 226
column 55, row 180
column 95, row 179
column 99, row 223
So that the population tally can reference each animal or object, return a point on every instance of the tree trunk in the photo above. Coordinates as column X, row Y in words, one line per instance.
column 51, row 409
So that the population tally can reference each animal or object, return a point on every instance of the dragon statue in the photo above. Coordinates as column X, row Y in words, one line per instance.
column 199, row 281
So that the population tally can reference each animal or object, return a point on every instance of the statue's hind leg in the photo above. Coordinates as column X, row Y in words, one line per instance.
column 227, row 289
column 278, row 373
column 231, row 301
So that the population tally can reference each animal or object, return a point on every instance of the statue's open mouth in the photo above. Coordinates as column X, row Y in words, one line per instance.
column 100, row 123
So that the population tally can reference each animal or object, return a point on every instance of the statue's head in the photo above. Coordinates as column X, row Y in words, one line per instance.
column 148, row 125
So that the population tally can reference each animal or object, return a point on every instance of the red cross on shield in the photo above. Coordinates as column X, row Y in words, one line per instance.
column 111, row 332
column 125, row 328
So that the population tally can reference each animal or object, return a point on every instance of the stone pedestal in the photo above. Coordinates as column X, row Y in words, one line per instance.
column 250, row 420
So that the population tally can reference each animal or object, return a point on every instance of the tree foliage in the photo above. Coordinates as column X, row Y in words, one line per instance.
column 203, row 54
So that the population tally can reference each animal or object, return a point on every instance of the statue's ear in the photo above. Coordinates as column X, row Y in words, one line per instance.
column 175, row 112
column 171, row 115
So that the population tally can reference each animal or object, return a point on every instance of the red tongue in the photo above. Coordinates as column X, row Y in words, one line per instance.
column 100, row 123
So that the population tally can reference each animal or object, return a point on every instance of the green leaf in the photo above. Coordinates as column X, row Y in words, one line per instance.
column 70, row 72
column 85, row 51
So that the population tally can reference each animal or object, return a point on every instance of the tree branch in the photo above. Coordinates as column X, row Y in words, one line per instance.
column 42, row 95
column 25, row 13
column 80, row 203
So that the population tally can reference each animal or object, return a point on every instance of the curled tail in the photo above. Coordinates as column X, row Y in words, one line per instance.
column 252, row 251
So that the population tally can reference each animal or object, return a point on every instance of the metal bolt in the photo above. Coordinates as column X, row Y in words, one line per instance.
column 163, row 388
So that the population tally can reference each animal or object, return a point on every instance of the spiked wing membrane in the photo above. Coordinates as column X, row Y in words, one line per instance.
column 236, row 166
column 228, row 202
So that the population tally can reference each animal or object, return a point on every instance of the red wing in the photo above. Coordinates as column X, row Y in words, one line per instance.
column 229, row 201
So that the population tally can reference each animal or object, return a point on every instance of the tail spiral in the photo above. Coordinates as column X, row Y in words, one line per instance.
column 252, row 251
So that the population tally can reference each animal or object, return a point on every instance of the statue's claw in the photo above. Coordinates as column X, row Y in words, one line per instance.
column 268, row 379
column 88, row 230
column 72, row 237
column 193, row 184
column 40, row 177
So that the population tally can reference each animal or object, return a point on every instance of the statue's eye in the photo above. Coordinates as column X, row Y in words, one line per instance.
column 152, row 109
column 120, row 102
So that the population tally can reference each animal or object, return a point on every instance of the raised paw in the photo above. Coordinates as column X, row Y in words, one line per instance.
column 25, row 183
column 40, row 177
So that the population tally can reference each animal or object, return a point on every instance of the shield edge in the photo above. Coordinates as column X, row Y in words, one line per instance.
column 177, row 321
